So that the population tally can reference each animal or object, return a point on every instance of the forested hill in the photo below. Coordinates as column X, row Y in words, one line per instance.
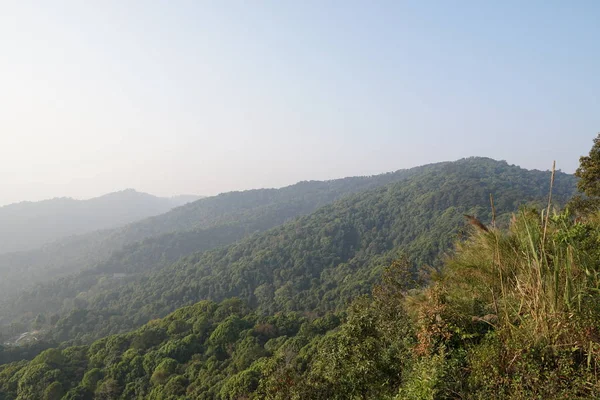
column 321, row 261
column 469, row 334
column 479, row 329
column 206, row 223
column 29, row 225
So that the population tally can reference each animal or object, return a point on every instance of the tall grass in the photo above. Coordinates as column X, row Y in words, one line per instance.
column 537, row 277
column 515, row 310
column 514, row 313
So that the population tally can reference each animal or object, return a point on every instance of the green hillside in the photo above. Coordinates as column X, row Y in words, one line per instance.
column 203, row 224
column 333, row 305
column 511, row 315
column 315, row 263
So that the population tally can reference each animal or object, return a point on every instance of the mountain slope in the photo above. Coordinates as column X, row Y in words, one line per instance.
column 447, row 339
column 29, row 225
column 317, row 262
column 204, row 224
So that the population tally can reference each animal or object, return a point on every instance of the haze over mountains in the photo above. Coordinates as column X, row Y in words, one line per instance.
column 266, row 272
column 144, row 250
column 29, row 225
column 471, row 279
column 206, row 223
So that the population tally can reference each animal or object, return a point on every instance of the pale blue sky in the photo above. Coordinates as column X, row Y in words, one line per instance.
column 210, row 96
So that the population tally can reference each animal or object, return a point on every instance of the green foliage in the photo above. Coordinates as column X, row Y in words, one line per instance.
column 240, row 385
column 52, row 357
column 163, row 371
column 423, row 379
column 149, row 337
column 109, row 389
column 222, row 363
column 513, row 314
column 588, row 201
column 138, row 249
column 319, row 263
column 327, row 307
column 54, row 391
column 78, row 393
column 589, row 171
column 91, row 378
column 24, row 352
column 178, row 327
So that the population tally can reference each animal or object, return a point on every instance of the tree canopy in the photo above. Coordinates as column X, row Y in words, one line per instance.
column 387, row 293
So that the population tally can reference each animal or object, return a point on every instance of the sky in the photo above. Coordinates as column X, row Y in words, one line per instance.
column 203, row 97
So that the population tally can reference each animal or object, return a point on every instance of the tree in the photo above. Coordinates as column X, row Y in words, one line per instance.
column 589, row 182
column 108, row 390
column 589, row 171
column 54, row 391
column 52, row 357
column 164, row 370
column 178, row 327
column 91, row 378
column 78, row 393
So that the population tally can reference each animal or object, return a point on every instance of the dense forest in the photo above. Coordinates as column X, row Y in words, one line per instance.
column 161, row 240
column 314, row 263
column 203, row 224
column 383, row 294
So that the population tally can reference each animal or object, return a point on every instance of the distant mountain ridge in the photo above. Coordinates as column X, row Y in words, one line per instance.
column 329, row 256
column 204, row 224
column 30, row 225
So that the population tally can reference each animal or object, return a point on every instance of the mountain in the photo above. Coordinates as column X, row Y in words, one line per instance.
column 157, row 241
column 30, row 225
column 511, row 312
column 316, row 263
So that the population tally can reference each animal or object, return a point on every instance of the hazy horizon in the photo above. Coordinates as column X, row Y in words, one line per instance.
column 209, row 98
column 102, row 195
column 261, row 187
